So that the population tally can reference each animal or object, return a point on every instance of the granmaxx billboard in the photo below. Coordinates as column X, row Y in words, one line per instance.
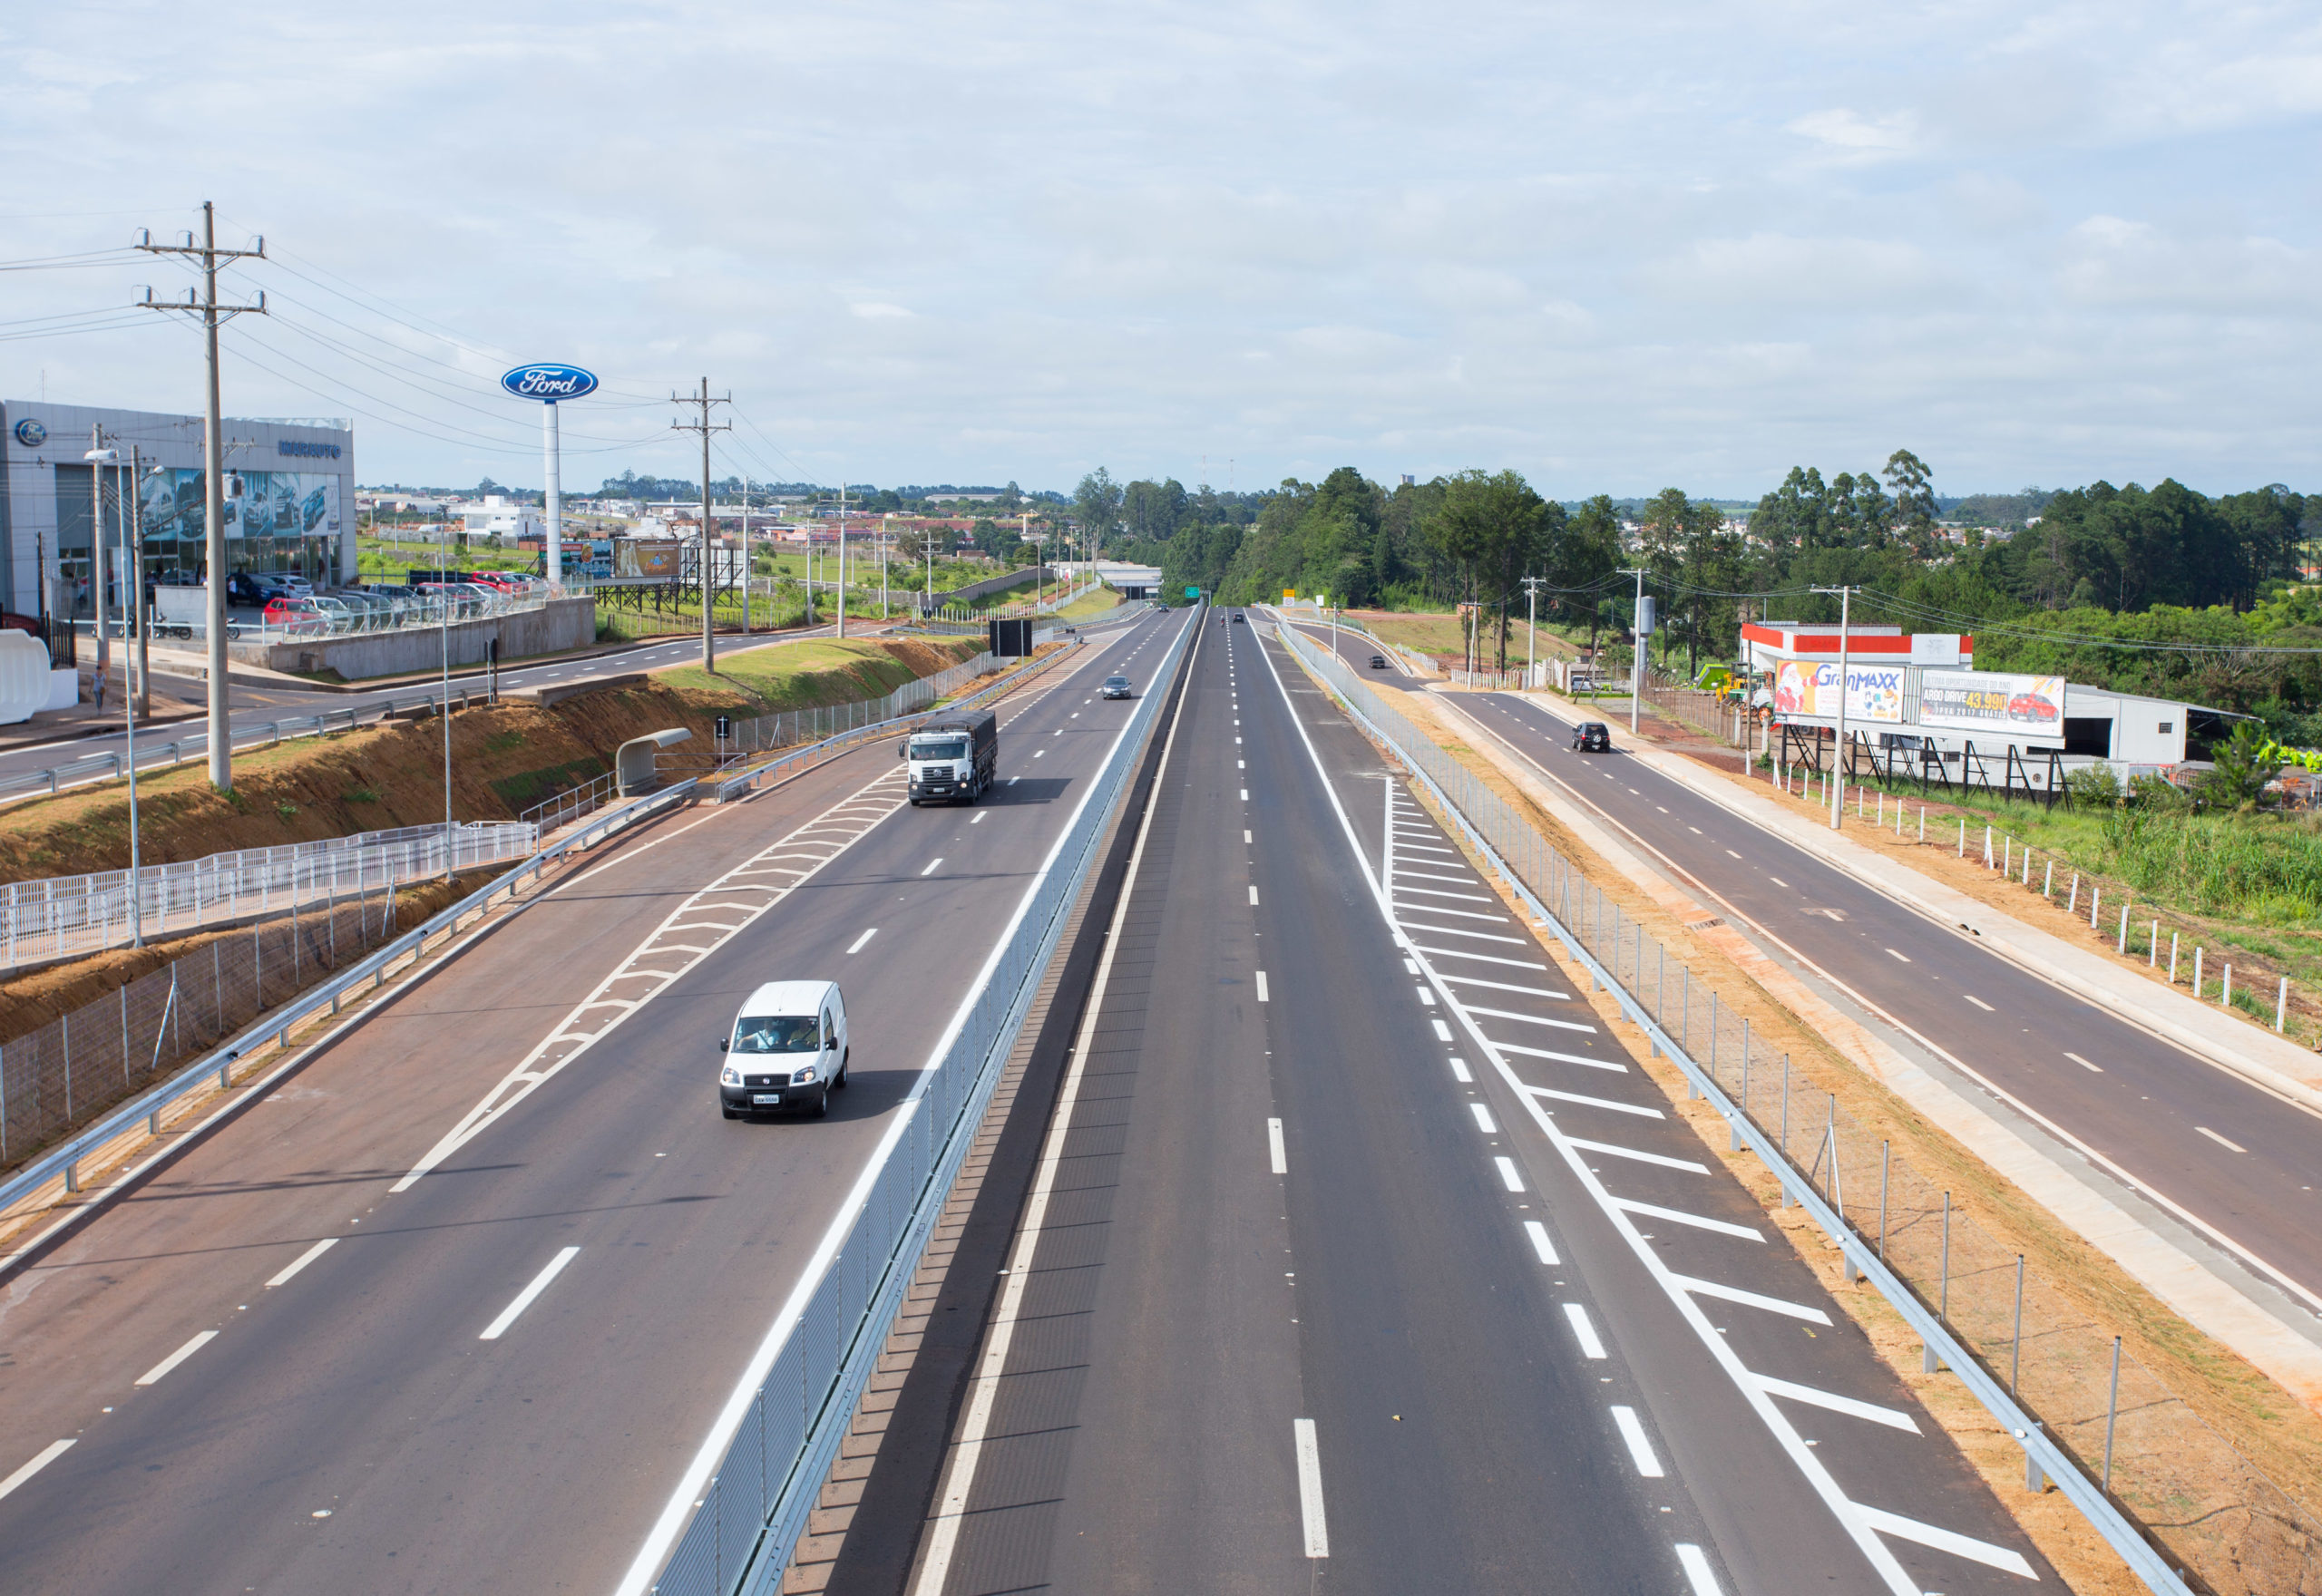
column 1874, row 692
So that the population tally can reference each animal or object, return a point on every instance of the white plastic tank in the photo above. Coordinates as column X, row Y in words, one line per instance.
column 24, row 675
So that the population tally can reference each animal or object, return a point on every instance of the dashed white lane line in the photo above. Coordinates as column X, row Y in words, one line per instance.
column 933, row 865
column 1459, row 1071
column 1442, row 1031
column 302, row 1260
column 1253, row 896
column 1698, row 1572
column 1310, row 1488
column 1245, row 794
column 524, row 1299
column 1584, row 1331
column 976, row 821
column 1040, row 754
column 2220, row 1141
column 1777, row 882
column 1275, row 1148
column 1426, row 997
column 1539, row 1233
column 1904, row 957
column 1483, row 1119
column 1640, row 1444
column 1695, row 830
column 1731, row 854
column 41, row 1460
column 1262, row 986
column 1509, row 1176
column 153, row 1376
column 2083, row 1064
column 1979, row 1003
column 857, row 945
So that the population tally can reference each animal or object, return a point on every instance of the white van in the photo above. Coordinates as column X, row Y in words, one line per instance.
column 787, row 1050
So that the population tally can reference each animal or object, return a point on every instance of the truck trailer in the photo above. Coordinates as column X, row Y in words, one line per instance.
column 953, row 756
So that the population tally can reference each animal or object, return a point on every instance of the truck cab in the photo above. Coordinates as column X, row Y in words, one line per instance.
column 953, row 757
column 787, row 1050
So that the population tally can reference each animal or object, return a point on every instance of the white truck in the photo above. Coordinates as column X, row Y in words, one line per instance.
column 953, row 757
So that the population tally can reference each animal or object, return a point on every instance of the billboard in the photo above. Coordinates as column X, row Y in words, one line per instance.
column 1989, row 701
column 1874, row 692
column 658, row 560
column 258, row 504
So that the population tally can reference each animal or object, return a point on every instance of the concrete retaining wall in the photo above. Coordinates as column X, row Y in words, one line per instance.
column 562, row 623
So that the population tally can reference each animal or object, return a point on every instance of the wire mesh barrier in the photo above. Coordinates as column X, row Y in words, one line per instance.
column 61, row 916
column 753, row 1508
column 68, row 1072
column 2175, row 948
column 2213, row 1511
column 1698, row 708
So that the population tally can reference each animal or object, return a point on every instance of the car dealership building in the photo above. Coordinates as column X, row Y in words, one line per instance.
column 289, row 498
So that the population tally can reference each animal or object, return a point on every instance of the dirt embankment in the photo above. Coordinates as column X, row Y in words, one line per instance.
column 505, row 758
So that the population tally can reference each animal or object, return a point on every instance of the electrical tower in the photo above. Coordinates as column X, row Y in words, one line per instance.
column 704, row 427
column 213, row 490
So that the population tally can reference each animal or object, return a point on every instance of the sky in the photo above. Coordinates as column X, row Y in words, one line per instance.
column 1614, row 248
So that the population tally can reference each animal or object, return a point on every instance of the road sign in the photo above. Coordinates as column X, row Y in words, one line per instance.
column 1192, row 592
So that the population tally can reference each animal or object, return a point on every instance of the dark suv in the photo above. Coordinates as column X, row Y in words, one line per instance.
column 1592, row 736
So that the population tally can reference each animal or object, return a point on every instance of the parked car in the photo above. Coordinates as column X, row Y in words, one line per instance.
column 290, row 581
column 1115, row 687
column 787, row 1050
column 301, row 618
column 252, row 592
column 1592, row 736
column 1378, row 662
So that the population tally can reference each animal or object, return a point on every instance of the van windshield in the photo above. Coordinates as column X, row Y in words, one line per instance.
column 939, row 748
column 777, row 1033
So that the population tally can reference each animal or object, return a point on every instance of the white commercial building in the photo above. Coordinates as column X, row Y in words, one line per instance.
column 289, row 498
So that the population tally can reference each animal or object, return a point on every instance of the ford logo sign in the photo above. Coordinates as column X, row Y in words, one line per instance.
column 31, row 434
column 549, row 383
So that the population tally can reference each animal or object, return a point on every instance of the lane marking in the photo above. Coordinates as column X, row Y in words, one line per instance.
column 1253, row 897
column 1632, row 1430
column 1502, row 987
column 1426, row 997
column 302, row 1260
column 933, row 865
column 1262, row 986
column 1678, row 1216
column 977, row 819
column 1538, row 1233
column 41, row 1460
column 2083, row 1064
column 1814, row 1396
column 1245, row 794
column 1777, row 882
column 1442, row 1031
column 1636, row 1108
column 1951, row 1541
column 1477, row 958
column 1735, row 1294
column 1275, row 1151
column 1731, row 854
column 1904, row 957
column 1979, row 1003
column 2220, row 1141
column 1616, row 1065
column 1583, row 1331
column 1310, row 1488
column 499, row 1326
column 856, row 946
column 153, row 1376
column 1459, row 1072
column 1483, row 1119
column 1533, row 1019
column 1698, row 1573
column 1507, row 1175
column 1614, row 1150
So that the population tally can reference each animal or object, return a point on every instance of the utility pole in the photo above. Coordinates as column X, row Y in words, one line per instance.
column 1839, row 787
column 746, row 567
column 1636, row 653
column 213, row 507
column 1531, row 626
column 841, row 630
column 704, row 427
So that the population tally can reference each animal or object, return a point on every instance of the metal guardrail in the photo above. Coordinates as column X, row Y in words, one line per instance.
column 2143, row 1559
column 60, row 917
column 63, row 1158
column 813, row 1368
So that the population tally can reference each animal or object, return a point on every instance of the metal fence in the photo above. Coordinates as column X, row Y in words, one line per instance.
column 63, row 917
column 68, row 1072
column 752, row 1510
column 2140, row 1447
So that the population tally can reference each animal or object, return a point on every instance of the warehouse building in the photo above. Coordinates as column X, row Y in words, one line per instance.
column 289, row 496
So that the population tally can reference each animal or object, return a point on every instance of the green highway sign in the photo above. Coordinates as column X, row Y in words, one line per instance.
column 1192, row 592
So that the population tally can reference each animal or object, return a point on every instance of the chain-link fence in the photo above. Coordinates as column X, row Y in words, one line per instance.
column 2206, row 1503
column 68, row 1072
column 61, row 916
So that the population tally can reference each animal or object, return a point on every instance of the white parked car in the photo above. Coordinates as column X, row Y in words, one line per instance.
column 787, row 1050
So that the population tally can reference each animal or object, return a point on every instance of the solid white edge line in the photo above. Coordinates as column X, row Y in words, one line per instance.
column 301, row 1261
column 1585, row 1332
column 1310, row 1488
column 153, row 1376
column 1539, row 1233
column 857, row 945
column 525, row 1298
column 959, row 1475
column 41, row 1460
column 1640, row 1444
column 1275, row 1151
column 1698, row 1572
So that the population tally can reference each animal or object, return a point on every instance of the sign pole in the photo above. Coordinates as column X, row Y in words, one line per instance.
column 550, row 450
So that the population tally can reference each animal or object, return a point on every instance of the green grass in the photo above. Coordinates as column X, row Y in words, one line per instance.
column 1096, row 601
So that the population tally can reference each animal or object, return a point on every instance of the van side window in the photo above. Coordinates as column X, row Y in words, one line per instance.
column 826, row 1027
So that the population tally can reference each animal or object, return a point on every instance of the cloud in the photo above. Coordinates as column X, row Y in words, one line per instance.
column 1845, row 137
column 1774, row 269
column 873, row 311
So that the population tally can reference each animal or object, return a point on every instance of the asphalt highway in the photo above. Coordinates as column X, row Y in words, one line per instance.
column 333, row 1346
column 2233, row 1161
column 1360, row 1257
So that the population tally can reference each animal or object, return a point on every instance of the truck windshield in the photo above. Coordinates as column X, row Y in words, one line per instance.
column 777, row 1033
column 939, row 748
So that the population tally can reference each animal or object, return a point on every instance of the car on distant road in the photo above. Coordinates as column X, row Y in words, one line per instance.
column 1115, row 687
column 1378, row 662
column 1592, row 736
column 787, row 1050
column 1237, row 617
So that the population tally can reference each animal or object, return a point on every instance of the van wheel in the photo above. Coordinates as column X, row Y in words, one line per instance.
column 839, row 1080
column 823, row 1103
